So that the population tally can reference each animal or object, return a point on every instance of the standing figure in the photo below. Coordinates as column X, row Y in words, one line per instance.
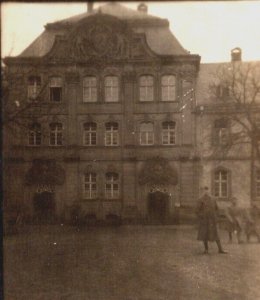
column 235, row 219
column 251, row 216
column 207, row 214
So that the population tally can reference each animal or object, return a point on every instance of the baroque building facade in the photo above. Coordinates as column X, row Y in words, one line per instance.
column 110, row 119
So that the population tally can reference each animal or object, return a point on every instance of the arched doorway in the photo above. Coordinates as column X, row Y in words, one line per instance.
column 158, row 207
column 44, row 207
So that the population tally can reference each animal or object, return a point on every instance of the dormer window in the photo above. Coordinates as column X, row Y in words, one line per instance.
column 222, row 91
column 34, row 86
column 56, row 89
column 221, row 132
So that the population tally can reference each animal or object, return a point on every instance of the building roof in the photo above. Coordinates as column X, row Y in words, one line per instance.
column 156, row 29
column 113, row 9
column 209, row 74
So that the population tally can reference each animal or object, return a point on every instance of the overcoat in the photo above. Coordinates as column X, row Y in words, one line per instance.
column 207, row 216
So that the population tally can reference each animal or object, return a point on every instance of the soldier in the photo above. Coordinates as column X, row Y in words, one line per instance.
column 235, row 219
column 207, row 214
column 251, row 215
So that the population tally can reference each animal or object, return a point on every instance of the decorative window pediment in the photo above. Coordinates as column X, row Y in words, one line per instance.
column 158, row 171
column 100, row 36
column 45, row 172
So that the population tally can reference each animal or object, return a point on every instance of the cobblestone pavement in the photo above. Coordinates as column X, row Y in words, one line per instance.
column 127, row 263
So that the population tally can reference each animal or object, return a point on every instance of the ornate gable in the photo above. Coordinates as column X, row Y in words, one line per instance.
column 100, row 37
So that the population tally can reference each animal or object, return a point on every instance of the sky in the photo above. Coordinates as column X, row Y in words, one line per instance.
column 210, row 29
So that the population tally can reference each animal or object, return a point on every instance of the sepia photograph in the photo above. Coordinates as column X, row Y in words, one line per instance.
column 130, row 150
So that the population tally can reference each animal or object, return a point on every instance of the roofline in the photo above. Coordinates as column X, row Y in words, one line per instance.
column 132, row 22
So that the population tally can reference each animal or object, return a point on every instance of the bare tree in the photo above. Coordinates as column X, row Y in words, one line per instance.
column 235, row 104
column 237, row 86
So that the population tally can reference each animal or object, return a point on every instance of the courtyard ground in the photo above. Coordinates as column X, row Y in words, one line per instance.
column 126, row 263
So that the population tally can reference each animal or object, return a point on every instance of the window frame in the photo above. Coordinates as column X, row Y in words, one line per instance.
column 91, row 133
column 114, row 89
column 168, row 86
column 33, row 90
column 220, row 181
column 257, row 183
column 58, row 134
column 35, row 134
column 91, row 89
column 223, row 91
column 55, row 86
column 146, row 134
column 146, row 87
column 221, row 132
column 91, row 183
column 113, row 182
column 168, row 133
column 112, row 134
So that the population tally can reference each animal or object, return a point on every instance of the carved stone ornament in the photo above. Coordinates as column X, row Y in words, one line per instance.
column 157, row 171
column 45, row 173
column 100, row 37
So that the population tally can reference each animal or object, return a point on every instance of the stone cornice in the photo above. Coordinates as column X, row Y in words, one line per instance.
column 223, row 108
column 163, row 59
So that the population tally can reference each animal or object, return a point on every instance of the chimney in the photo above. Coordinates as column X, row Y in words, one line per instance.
column 236, row 54
column 142, row 7
column 90, row 6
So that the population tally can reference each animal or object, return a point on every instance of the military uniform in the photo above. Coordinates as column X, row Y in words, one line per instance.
column 207, row 216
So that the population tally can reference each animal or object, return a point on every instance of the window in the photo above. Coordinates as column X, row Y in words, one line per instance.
column 34, row 86
column 146, row 88
column 111, row 89
column 112, row 185
column 90, row 186
column 90, row 89
column 56, row 89
column 168, row 87
column 146, row 133
column 221, row 183
column 168, row 133
column 257, row 183
column 90, row 134
column 222, row 91
column 221, row 132
column 35, row 135
column 111, row 134
column 55, row 134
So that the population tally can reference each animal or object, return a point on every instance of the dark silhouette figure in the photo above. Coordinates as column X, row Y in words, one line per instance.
column 207, row 215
